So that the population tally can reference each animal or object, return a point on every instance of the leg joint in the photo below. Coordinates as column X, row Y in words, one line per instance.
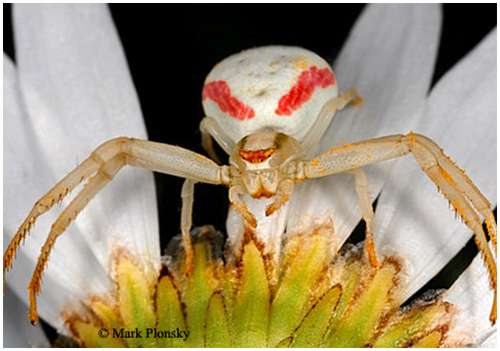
column 225, row 175
column 111, row 148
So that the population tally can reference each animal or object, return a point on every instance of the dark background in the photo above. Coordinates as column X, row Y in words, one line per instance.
column 171, row 48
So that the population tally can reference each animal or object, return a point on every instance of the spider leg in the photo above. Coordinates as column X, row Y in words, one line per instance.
column 208, row 145
column 455, row 185
column 365, row 204
column 326, row 115
column 480, row 203
column 68, row 215
column 282, row 196
column 57, row 194
column 239, row 205
column 210, row 130
column 104, row 163
column 187, row 194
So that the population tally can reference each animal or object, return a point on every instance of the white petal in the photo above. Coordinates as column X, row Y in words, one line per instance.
column 473, row 297
column 78, row 93
column 413, row 220
column 490, row 341
column 17, row 330
column 389, row 58
column 25, row 175
column 269, row 229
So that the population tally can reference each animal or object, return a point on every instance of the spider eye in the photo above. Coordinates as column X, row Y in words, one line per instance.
column 256, row 156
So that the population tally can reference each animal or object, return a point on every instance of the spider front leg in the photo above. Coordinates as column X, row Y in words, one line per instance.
column 102, row 165
column 55, row 195
column 95, row 184
column 460, row 191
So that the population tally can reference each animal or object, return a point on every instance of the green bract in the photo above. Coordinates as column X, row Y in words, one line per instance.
column 307, row 297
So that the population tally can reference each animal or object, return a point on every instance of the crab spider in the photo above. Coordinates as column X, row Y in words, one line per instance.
column 267, row 108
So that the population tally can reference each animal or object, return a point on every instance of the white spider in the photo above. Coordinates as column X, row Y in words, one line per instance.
column 267, row 108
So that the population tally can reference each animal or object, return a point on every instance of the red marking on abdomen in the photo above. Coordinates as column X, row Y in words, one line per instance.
column 220, row 93
column 304, row 88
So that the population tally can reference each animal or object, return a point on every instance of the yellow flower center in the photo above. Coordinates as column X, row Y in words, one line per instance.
column 309, row 296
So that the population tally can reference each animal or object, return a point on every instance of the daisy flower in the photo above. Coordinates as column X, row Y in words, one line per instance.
column 292, row 282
